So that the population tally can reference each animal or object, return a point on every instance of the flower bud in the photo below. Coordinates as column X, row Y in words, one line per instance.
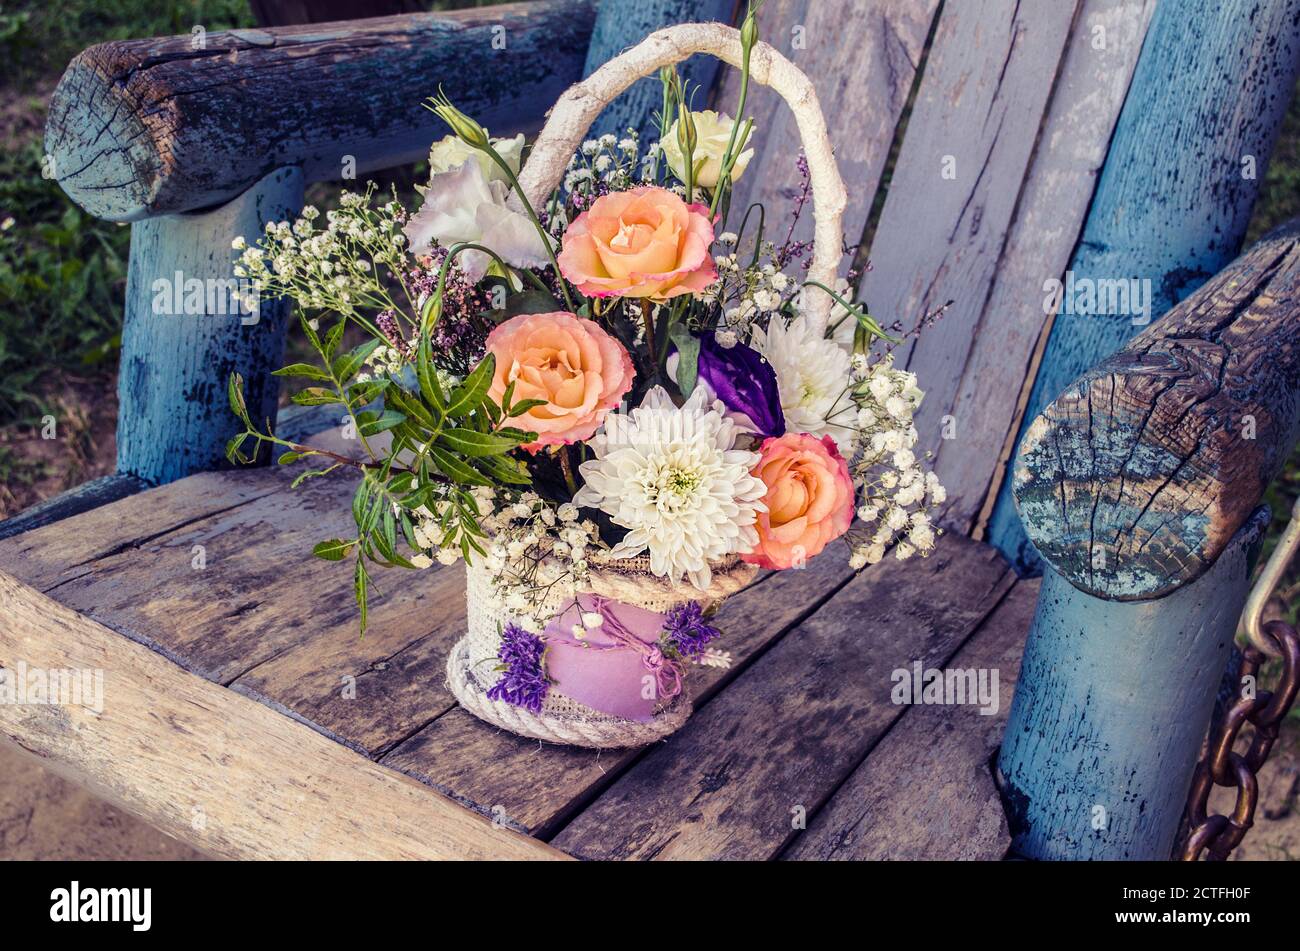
column 749, row 32
column 687, row 137
column 465, row 128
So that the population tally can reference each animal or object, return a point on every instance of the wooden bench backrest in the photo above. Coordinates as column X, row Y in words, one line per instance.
column 1001, row 166
column 972, row 213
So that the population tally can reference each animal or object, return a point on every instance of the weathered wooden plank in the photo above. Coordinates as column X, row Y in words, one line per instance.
column 1174, row 198
column 370, row 692
column 953, row 195
column 480, row 766
column 1099, row 62
column 624, row 23
column 1111, row 710
column 926, row 791
column 862, row 105
column 139, row 128
column 60, row 552
column 1134, row 480
column 776, row 743
column 230, row 776
column 83, row 498
column 215, row 572
column 295, row 423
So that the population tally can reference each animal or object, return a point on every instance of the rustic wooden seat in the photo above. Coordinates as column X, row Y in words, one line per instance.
column 775, row 737
column 243, row 714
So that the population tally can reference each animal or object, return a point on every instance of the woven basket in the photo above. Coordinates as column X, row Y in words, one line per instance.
column 471, row 667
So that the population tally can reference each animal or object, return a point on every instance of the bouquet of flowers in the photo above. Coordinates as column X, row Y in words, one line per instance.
column 612, row 406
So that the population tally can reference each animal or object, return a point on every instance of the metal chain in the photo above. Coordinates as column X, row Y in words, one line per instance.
column 1222, row 766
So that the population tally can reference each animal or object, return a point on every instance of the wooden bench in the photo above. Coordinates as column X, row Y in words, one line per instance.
column 243, row 714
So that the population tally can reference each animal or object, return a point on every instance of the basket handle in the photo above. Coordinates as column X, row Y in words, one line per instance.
column 573, row 114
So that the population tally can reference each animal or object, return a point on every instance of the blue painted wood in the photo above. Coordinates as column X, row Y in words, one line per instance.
column 624, row 23
column 1113, row 701
column 1174, row 199
column 185, row 332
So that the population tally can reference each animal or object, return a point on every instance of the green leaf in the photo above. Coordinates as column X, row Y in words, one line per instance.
column 307, row 329
column 688, row 364
column 303, row 370
column 524, row 406
column 235, row 393
column 346, row 366
column 336, row 549
column 456, row 470
column 466, row 397
column 469, row 443
column 234, row 447
column 505, row 469
column 332, row 338
column 427, row 376
column 316, row 396
column 360, row 583
column 386, row 421
column 291, row 457
column 411, row 406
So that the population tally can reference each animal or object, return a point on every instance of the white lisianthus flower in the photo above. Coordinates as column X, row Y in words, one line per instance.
column 713, row 132
column 463, row 206
column 812, row 373
column 451, row 152
column 672, row 478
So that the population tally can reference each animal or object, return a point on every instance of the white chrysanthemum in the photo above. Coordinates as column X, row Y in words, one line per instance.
column 672, row 478
column 812, row 374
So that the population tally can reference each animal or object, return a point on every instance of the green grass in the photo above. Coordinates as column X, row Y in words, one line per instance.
column 62, row 275
column 38, row 37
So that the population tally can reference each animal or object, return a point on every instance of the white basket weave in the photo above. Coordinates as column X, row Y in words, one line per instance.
column 471, row 665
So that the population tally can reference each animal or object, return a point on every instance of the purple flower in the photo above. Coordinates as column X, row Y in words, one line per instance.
column 687, row 631
column 745, row 382
column 524, row 682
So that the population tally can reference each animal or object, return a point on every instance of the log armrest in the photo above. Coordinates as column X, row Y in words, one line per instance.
column 1133, row 481
column 141, row 128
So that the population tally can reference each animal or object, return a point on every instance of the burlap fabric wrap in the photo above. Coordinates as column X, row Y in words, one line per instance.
column 472, row 662
column 469, row 668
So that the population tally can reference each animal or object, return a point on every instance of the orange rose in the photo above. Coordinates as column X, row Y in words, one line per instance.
column 646, row 242
column 809, row 499
column 572, row 364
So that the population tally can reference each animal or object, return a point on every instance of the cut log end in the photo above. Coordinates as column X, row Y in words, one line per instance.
column 1134, row 480
column 99, row 144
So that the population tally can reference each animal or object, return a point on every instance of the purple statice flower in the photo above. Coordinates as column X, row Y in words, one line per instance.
column 744, row 381
column 524, row 682
column 460, row 336
column 686, row 630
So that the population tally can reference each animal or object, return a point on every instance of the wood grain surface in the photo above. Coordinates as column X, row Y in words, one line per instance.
column 139, row 128
column 1133, row 481
column 230, row 776
column 774, row 745
column 926, row 791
